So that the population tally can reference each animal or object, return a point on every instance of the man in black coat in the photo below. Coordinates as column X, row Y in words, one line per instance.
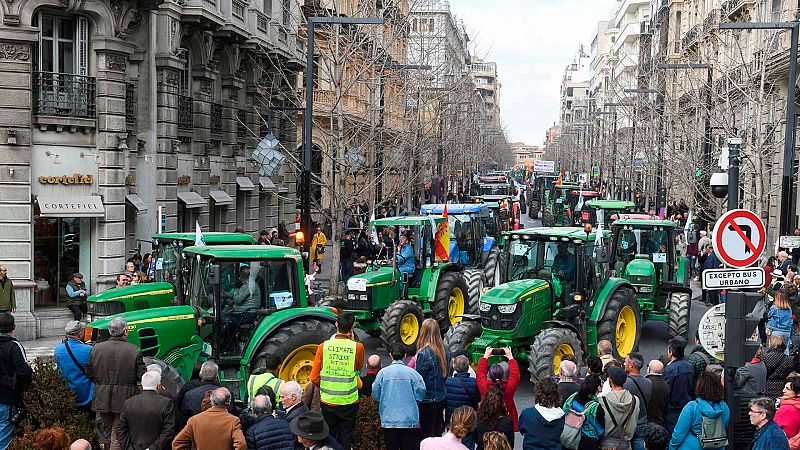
column 658, row 406
column 292, row 402
column 268, row 433
column 194, row 398
column 147, row 421
column 15, row 376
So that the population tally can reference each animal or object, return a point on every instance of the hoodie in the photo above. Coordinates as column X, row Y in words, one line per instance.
column 617, row 405
column 541, row 428
column 690, row 423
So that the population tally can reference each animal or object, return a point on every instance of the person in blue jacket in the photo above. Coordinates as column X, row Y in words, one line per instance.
column 679, row 376
column 769, row 435
column 462, row 389
column 73, row 368
column 709, row 404
column 405, row 256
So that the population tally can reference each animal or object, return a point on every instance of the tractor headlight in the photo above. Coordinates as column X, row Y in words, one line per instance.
column 507, row 309
column 351, row 296
column 646, row 289
column 363, row 297
column 485, row 307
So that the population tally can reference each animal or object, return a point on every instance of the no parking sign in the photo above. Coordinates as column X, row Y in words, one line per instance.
column 739, row 238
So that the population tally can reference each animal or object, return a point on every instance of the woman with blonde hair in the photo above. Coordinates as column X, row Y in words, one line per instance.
column 779, row 317
column 495, row 440
column 462, row 423
column 432, row 363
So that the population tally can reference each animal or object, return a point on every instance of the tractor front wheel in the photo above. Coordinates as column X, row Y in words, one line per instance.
column 461, row 335
column 490, row 267
column 401, row 323
column 549, row 348
column 679, row 305
column 452, row 300
column 474, row 279
column 296, row 344
column 621, row 323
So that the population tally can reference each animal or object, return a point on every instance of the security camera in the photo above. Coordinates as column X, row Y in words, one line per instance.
column 719, row 184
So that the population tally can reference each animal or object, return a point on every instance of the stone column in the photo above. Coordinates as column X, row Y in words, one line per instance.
column 16, row 229
column 168, row 67
column 203, row 92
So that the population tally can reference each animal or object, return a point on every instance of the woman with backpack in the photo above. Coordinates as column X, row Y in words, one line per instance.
column 583, row 423
column 788, row 414
column 703, row 422
column 492, row 416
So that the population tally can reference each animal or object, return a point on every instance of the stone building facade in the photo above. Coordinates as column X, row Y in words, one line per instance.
column 124, row 118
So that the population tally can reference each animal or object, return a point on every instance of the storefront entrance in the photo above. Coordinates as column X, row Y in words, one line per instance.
column 62, row 246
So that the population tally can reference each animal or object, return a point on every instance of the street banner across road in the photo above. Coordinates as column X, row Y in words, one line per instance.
column 712, row 331
column 733, row 278
column 544, row 166
column 739, row 238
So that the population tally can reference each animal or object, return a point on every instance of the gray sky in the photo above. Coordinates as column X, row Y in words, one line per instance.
column 532, row 42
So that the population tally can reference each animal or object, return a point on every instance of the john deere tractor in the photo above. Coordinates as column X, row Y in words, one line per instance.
column 471, row 243
column 170, row 271
column 643, row 252
column 558, row 300
column 611, row 210
column 560, row 200
column 393, row 305
column 540, row 185
column 242, row 304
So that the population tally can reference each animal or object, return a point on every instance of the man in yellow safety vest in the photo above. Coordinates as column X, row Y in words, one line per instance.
column 266, row 376
column 337, row 365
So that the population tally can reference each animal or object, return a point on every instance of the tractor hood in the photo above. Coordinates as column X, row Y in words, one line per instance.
column 140, row 296
column 640, row 266
column 512, row 292
column 368, row 279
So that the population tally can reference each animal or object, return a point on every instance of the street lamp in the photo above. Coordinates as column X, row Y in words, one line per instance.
column 308, row 123
column 787, row 194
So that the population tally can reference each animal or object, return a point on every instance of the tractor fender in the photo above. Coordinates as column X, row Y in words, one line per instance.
column 612, row 285
column 487, row 245
column 277, row 319
column 568, row 326
column 436, row 274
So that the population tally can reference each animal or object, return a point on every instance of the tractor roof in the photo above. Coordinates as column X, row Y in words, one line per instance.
column 555, row 232
column 586, row 193
column 212, row 237
column 456, row 208
column 245, row 252
column 491, row 197
column 611, row 204
column 567, row 186
column 406, row 220
column 553, row 176
column 638, row 222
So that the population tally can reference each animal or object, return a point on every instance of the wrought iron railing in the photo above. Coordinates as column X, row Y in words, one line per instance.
column 185, row 113
column 262, row 22
column 241, row 123
column 64, row 94
column 691, row 36
column 216, row 118
column 237, row 9
column 130, row 102
column 712, row 21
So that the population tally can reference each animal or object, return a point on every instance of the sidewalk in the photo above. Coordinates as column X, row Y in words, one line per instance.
column 40, row 347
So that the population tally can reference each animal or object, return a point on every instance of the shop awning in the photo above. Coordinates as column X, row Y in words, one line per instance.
column 137, row 202
column 245, row 184
column 266, row 184
column 192, row 199
column 71, row 206
column 221, row 198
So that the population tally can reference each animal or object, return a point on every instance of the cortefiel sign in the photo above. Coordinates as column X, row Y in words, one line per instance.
column 733, row 278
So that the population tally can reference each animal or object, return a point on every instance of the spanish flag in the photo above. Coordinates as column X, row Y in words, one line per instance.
column 560, row 179
column 442, row 237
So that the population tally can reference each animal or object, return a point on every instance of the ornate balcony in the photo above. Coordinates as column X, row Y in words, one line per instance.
column 63, row 94
column 692, row 36
column 185, row 113
column 711, row 22
column 732, row 8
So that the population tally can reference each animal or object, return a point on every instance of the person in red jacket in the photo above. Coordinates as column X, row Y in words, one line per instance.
column 495, row 376
column 788, row 414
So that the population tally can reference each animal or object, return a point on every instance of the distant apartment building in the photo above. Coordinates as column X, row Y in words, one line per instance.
column 484, row 74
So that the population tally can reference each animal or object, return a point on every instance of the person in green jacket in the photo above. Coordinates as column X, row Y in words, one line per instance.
column 700, row 358
column 8, row 301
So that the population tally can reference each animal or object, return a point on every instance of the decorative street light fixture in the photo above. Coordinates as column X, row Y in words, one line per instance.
column 268, row 155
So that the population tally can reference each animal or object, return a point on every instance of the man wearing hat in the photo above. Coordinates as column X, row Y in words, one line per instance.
column 71, row 357
column 312, row 431
column 78, row 292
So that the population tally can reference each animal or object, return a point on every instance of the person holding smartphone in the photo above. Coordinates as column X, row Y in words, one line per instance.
column 495, row 376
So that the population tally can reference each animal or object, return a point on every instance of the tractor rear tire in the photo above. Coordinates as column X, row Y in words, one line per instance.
column 461, row 335
column 171, row 380
column 548, row 348
column 490, row 267
column 547, row 218
column 401, row 323
column 622, row 308
column 501, row 274
column 449, row 285
column 296, row 344
column 474, row 279
column 679, row 305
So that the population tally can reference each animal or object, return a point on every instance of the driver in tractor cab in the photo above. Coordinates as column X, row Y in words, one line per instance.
column 405, row 256
column 240, row 306
column 627, row 246
column 564, row 264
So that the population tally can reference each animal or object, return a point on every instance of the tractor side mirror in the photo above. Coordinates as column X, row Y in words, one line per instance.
column 213, row 274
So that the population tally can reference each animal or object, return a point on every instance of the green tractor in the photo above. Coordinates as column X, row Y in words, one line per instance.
column 473, row 242
column 558, row 300
column 611, row 210
column 643, row 252
column 559, row 202
column 170, row 267
column 241, row 304
column 392, row 305
column 536, row 193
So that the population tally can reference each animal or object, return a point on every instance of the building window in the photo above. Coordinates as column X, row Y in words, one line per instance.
column 268, row 7
column 185, row 102
column 570, row 91
column 287, row 12
column 431, row 23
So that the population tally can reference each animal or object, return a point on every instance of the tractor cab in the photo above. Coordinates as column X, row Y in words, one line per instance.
column 611, row 210
column 170, row 269
column 540, row 185
column 643, row 252
column 469, row 239
column 504, row 210
column 494, row 186
column 580, row 209
column 242, row 303
column 560, row 203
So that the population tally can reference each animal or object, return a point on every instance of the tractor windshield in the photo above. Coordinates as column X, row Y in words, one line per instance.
column 167, row 258
column 653, row 243
column 463, row 237
column 543, row 260
column 494, row 189
column 248, row 291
